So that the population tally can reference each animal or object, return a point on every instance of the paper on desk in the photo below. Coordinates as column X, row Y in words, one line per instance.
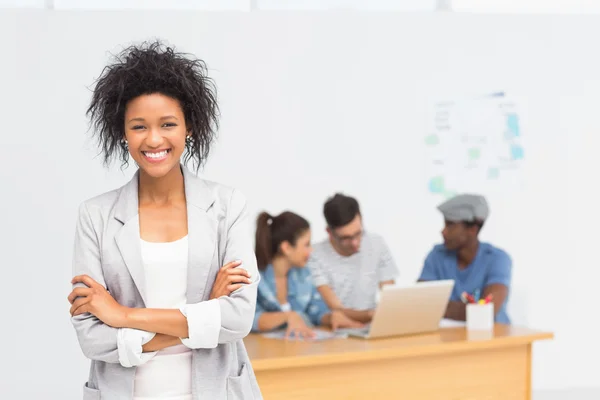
column 450, row 323
column 319, row 336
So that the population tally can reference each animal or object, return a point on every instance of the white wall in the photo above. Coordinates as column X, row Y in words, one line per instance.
column 527, row 6
column 311, row 104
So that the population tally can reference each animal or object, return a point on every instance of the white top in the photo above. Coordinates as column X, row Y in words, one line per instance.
column 355, row 279
column 168, row 374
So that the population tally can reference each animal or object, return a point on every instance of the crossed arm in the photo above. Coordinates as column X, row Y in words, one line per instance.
column 169, row 324
column 100, row 321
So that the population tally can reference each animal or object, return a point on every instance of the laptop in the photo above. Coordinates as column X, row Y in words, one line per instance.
column 407, row 310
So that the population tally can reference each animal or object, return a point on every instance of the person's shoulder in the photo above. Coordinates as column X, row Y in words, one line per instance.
column 228, row 200
column 373, row 237
column 438, row 251
column 374, row 240
column 496, row 252
column 102, row 203
column 221, row 192
column 302, row 274
column 321, row 252
column 103, row 200
column 264, row 276
column 97, row 210
column 438, row 248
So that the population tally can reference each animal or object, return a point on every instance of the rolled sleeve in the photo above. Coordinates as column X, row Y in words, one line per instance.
column 228, row 318
column 316, row 309
column 204, row 324
column 129, row 347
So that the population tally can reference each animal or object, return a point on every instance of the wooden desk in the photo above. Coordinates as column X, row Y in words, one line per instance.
column 446, row 365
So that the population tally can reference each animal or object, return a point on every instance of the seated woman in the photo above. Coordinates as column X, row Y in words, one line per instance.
column 286, row 293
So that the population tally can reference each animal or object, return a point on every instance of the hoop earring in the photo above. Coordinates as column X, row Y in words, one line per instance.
column 188, row 140
column 124, row 144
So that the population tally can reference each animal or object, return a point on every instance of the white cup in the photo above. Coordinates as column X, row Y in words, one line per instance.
column 480, row 317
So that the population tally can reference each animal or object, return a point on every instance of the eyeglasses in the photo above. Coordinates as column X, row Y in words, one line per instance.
column 348, row 238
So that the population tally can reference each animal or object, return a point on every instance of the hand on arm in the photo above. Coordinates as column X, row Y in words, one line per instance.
column 362, row 316
column 98, row 318
column 332, row 301
column 96, row 300
column 169, row 323
column 229, row 279
column 338, row 319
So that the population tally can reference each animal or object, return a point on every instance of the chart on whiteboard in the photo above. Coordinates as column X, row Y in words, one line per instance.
column 474, row 145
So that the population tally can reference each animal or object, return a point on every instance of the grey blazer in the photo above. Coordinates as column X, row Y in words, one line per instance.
column 107, row 248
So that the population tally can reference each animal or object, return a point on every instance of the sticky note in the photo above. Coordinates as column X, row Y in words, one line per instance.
column 436, row 184
column 474, row 153
column 516, row 152
column 493, row 173
column 432, row 140
column 512, row 125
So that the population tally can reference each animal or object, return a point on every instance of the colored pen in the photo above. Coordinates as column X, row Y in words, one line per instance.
column 488, row 298
column 464, row 298
column 476, row 295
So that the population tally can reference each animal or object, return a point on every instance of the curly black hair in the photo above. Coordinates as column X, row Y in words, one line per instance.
column 153, row 67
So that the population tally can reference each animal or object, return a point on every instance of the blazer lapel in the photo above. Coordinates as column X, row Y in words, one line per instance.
column 202, row 236
column 128, row 237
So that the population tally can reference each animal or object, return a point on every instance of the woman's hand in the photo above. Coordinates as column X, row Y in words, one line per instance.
column 96, row 300
column 340, row 320
column 297, row 327
column 229, row 279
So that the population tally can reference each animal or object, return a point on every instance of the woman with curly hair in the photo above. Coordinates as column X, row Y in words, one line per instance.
column 165, row 276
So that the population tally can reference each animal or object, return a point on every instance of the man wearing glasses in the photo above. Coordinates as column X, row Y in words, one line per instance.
column 350, row 266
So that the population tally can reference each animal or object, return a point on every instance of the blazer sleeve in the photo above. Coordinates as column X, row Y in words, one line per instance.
column 228, row 318
column 97, row 340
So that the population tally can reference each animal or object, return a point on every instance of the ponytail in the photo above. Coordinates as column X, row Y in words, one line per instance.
column 264, row 241
column 271, row 232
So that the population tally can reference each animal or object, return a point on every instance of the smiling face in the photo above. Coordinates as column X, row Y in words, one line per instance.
column 155, row 131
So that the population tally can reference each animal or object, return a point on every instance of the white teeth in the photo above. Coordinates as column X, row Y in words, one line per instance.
column 160, row 154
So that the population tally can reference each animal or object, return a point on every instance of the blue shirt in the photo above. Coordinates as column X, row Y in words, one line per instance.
column 491, row 265
column 303, row 296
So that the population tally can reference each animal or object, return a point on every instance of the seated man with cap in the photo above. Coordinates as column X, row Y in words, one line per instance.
column 473, row 265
